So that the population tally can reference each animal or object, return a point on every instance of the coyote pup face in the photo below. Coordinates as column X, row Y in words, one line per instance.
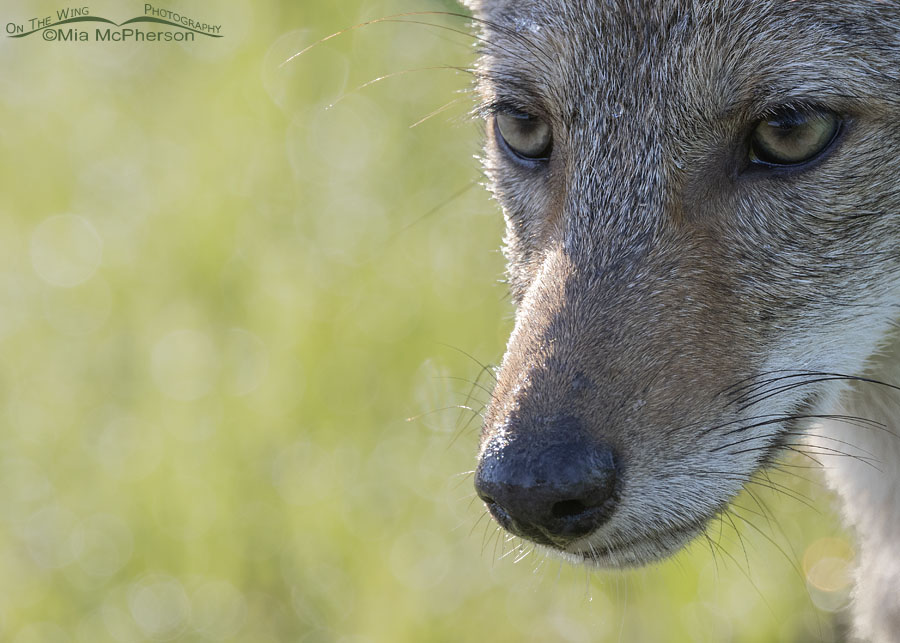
column 702, row 207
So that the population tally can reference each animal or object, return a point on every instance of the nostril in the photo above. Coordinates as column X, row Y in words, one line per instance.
column 568, row 508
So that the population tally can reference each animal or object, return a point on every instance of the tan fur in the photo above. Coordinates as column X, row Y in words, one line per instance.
column 661, row 283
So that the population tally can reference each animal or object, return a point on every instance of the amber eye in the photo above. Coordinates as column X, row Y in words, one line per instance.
column 527, row 137
column 793, row 137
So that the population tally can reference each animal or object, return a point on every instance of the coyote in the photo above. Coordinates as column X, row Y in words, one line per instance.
column 702, row 200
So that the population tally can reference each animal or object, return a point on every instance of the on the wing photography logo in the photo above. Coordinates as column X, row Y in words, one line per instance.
column 72, row 24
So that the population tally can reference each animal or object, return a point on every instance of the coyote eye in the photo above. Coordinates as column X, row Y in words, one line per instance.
column 527, row 137
column 793, row 137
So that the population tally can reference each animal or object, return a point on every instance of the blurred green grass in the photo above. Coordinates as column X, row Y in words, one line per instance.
column 220, row 301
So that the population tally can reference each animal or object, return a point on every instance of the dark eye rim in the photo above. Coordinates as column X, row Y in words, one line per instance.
column 759, row 164
column 527, row 161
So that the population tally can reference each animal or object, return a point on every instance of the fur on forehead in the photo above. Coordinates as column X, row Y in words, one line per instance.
column 809, row 35
column 868, row 12
column 544, row 10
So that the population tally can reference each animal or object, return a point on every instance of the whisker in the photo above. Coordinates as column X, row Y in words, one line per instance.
column 769, row 484
column 805, row 455
column 525, row 553
column 484, row 367
column 443, row 408
column 474, row 383
column 737, row 532
column 791, row 561
column 439, row 110
column 450, row 199
column 746, row 574
column 540, row 56
column 793, row 433
column 813, row 450
column 852, row 420
column 394, row 74
column 831, row 439
column 459, row 432
column 751, row 396
column 394, row 18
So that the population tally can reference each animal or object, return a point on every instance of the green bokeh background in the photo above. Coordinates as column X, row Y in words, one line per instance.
column 221, row 301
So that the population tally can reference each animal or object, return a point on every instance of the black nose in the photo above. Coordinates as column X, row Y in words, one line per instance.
column 552, row 488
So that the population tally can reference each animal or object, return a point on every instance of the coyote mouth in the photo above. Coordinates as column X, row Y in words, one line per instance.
column 644, row 549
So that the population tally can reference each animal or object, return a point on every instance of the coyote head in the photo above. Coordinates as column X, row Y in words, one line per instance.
column 702, row 206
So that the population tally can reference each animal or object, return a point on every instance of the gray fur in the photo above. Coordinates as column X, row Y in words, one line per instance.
column 652, row 269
